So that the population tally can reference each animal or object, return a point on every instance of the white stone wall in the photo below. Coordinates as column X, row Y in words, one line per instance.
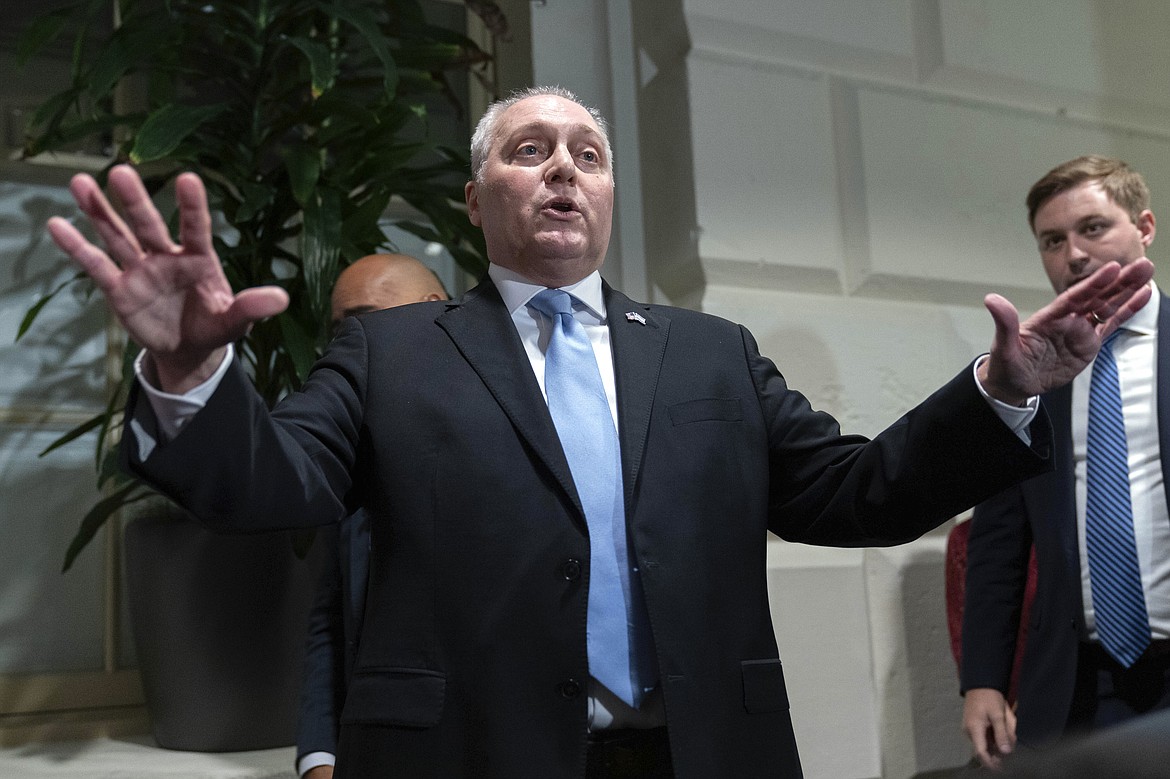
column 846, row 178
column 859, row 171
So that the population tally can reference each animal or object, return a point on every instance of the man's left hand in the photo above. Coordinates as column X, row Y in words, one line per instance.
column 1056, row 343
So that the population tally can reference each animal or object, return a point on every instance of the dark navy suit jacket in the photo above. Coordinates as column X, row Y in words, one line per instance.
column 1041, row 510
column 334, row 627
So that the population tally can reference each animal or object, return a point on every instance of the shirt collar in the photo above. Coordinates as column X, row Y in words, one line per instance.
column 1145, row 321
column 517, row 290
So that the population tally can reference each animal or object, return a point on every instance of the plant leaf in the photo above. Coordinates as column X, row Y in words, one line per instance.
column 166, row 128
column 114, row 60
column 46, row 119
column 77, row 432
column 304, row 169
column 321, row 247
column 300, row 345
column 365, row 24
column 42, row 31
column 31, row 315
column 97, row 516
column 257, row 197
column 322, row 64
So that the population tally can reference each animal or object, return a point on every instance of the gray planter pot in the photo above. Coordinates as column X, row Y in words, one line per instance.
column 219, row 626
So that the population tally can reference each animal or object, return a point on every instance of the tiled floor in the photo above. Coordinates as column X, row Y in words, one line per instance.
column 138, row 758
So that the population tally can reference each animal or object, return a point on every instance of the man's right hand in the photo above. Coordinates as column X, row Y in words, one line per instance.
column 990, row 724
column 172, row 298
column 319, row 772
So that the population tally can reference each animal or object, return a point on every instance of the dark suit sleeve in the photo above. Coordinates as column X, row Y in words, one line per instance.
column 309, row 445
column 997, row 569
column 323, row 683
column 942, row 457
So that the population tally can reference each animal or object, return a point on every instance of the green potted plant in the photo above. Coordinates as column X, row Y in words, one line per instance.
column 305, row 118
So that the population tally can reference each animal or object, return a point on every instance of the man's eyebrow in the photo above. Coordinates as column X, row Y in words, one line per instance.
column 351, row 311
column 1079, row 223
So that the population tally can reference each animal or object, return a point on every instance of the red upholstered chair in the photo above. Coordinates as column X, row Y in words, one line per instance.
column 956, row 578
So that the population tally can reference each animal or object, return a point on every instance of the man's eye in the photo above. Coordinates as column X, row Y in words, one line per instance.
column 590, row 156
column 529, row 150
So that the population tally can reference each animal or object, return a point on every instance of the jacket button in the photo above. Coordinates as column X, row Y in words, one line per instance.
column 571, row 570
column 570, row 689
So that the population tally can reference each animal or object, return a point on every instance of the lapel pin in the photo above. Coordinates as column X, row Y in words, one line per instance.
column 634, row 316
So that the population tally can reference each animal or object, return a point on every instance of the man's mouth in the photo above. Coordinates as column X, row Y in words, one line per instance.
column 563, row 205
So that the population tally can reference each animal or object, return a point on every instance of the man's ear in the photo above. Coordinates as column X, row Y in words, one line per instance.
column 431, row 296
column 1147, row 226
column 472, row 197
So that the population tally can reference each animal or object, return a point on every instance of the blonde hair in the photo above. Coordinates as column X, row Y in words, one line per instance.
column 1124, row 185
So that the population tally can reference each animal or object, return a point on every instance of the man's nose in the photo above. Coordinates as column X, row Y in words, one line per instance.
column 1076, row 247
column 1075, row 254
column 560, row 166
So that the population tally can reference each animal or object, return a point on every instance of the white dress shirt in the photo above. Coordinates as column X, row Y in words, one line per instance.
column 1136, row 353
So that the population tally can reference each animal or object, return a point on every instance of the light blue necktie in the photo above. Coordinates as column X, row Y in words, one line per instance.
column 1119, row 604
column 580, row 411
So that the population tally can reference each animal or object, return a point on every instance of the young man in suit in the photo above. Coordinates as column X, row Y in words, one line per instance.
column 371, row 283
column 1077, row 673
column 569, row 491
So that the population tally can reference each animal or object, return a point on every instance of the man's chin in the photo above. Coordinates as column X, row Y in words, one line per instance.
column 561, row 247
column 558, row 266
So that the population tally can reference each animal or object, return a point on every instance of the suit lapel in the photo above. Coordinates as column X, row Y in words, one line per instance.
column 638, row 337
column 1162, row 387
column 1060, row 501
column 483, row 332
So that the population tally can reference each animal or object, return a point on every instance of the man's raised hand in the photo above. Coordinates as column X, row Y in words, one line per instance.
column 172, row 298
column 1056, row 343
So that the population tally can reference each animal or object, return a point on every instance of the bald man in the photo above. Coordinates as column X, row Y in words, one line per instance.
column 372, row 283
column 379, row 281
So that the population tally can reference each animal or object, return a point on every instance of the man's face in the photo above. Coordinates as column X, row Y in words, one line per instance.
column 545, row 197
column 353, row 299
column 1081, row 229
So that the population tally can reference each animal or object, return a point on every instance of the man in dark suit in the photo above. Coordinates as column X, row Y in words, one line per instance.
column 371, row 283
column 502, row 567
column 1084, row 213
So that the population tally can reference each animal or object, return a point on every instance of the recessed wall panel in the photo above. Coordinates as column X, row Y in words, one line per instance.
column 945, row 182
column 50, row 621
column 1115, row 49
column 764, row 172
column 827, row 664
column 865, row 361
column 879, row 27
column 58, row 363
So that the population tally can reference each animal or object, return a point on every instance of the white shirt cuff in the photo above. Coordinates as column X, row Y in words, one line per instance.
column 172, row 412
column 1018, row 418
column 175, row 411
column 314, row 759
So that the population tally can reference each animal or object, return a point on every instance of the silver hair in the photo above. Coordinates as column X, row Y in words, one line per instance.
column 481, row 139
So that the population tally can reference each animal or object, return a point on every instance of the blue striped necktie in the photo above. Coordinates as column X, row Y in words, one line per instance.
column 581, row 414
column 1119, row 603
